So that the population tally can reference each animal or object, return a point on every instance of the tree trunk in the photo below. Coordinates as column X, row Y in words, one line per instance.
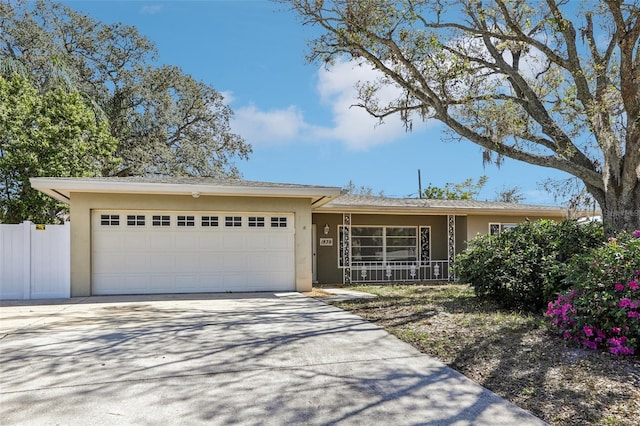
column 620, row 212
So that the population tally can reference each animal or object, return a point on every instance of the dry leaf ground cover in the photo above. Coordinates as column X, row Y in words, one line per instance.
column 512, row 354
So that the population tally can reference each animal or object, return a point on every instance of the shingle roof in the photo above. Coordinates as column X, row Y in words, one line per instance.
column 368, row 202
column 61, row 188
column 325, row 199
column 190, row 180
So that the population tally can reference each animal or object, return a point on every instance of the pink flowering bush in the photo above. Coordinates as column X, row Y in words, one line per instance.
column 602, row 311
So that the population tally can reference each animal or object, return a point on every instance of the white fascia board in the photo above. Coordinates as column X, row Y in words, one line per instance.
column 61, row 189
column 443, row 211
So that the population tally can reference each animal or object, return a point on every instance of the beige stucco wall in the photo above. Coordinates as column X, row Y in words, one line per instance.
column 479, row 225
column 83, row 203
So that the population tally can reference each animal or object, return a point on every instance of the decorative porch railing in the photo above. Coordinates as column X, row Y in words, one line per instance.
column 399, row 271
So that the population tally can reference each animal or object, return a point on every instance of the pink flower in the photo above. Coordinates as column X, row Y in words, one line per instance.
column 619, row 287
column 633, row 285
column 616, row 330
column 626, row 303
column 550, row 309
column 621, row 350
column 617, row 341
column 633, row 314
column 589, row 344
column 566, row 335
column 588, row 331
column 636, row 233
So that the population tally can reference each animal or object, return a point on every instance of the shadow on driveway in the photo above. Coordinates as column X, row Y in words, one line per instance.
column 245, row 359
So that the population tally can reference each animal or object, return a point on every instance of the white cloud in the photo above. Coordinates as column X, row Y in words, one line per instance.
column 352, row 125
column 273, row 127
column 152, row 9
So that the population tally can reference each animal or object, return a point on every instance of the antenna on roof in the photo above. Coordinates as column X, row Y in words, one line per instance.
column 419, row 185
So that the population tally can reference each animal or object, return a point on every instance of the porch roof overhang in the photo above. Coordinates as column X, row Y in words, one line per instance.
column 415, row 206
column 62, row 188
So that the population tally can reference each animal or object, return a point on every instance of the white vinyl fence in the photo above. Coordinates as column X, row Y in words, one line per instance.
column 34, row 261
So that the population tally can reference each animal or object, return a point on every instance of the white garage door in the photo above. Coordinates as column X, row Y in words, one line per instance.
column 138, row 252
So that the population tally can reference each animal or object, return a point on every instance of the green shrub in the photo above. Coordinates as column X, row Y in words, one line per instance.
column 602, row 310
column 525, row 267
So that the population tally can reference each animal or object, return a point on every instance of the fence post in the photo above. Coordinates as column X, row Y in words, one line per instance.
column 67, row 250
column 26, row 260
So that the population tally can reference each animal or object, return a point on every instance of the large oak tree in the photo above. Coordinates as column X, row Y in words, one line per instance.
column 166, row 122
column 555, row 83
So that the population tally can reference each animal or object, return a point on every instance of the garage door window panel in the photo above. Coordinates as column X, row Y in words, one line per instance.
column 278, row 222
column 209, row 221
column 184, row 221
column 233, row 221
column 135, row 220
column 161, row 220
column 110, row 220
column 256, row 222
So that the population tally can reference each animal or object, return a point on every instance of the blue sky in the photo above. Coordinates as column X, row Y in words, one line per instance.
column 296, row 115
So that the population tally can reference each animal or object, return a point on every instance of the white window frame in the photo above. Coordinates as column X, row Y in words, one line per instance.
column 384, row 237
column 502, row 227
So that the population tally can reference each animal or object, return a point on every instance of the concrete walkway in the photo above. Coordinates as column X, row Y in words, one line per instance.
column 241, row 359
column 345, row 294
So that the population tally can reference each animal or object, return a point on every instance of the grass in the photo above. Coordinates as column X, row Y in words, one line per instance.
column 513, row 354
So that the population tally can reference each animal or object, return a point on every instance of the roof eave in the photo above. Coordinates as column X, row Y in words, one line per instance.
column 61, row 189
column 461, row 211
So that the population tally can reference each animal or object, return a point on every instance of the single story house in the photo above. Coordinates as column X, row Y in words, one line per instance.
column 183, row 235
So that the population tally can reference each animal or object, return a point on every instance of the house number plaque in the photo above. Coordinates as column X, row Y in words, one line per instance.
column 326, row 241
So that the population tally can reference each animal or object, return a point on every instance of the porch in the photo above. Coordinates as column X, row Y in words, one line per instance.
column 369, row 248
column 375, row 272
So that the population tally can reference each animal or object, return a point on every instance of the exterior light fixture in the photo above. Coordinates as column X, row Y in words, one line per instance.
column 195, row 194
column 326, row 229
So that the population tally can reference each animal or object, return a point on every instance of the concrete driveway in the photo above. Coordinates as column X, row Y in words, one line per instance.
column 233, row 359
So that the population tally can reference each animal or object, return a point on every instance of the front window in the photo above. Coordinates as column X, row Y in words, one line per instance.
column 367, row 244
column 498, row 228
column 382, row 244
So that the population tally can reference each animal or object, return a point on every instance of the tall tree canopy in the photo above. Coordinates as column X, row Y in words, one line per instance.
column 51, row 133
column 555, row 83
column 164, row 120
